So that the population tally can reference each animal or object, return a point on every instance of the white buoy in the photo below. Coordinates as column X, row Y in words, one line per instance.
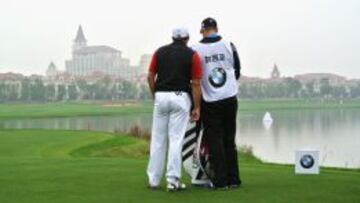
column 267, row 120
column 267, row 117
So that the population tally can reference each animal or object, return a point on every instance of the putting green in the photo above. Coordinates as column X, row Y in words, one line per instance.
column 77, row 166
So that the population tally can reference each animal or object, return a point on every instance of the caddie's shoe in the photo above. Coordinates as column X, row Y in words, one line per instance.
column 176, row 186
column 208, row 186
column 234, row 186
column 213, row 187
column 222, row 188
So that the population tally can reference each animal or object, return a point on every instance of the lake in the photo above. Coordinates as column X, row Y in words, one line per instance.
column 335, row 132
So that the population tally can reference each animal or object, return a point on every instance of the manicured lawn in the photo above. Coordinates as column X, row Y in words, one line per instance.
column 11, row 111
column 8, row 111
column 77, row 166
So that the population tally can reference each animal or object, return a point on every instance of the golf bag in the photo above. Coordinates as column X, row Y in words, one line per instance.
column 195, row 155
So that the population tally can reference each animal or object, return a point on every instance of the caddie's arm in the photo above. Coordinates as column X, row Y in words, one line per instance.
column 237, row 65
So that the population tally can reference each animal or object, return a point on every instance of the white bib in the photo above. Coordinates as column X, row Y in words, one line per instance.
column 218, row 81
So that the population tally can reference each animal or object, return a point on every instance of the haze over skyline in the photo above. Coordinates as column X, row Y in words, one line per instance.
column 300, row 36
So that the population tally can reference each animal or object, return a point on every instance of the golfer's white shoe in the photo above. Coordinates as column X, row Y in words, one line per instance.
column 175, row 186
column 153, row 187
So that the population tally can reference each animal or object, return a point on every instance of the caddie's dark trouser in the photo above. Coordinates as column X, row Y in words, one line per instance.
column 219, row 122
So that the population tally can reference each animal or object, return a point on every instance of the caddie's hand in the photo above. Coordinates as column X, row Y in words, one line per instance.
column 195, row 114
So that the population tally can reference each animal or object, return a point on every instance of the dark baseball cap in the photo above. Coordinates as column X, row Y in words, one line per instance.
column 208, row 23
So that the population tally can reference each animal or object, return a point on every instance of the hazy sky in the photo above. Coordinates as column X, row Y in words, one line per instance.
column 299, row 35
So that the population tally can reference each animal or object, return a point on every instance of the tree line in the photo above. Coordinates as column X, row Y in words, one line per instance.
column 37, row 90
column 292, row 88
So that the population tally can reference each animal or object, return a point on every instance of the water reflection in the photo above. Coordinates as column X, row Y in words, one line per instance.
column 334, row 132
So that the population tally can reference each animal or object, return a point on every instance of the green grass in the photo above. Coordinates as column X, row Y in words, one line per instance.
column 76, row 166
column 11, row 111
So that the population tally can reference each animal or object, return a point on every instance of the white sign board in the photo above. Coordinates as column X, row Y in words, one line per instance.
column 307, row 162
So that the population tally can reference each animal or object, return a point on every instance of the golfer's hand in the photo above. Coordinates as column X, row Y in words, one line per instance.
column 195, row 114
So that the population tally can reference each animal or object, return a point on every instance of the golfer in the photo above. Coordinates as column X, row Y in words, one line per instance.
column 174, row 74
column 221, row 69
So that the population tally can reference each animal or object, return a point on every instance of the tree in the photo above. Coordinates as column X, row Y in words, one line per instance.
column 256, row 91
column 37, row 91
column 13, row 92
column 50, row 92
column 144, row 92
column 325, row 88
column 129, row 90
column 338, row 92
column 243, row 91
column 355, row 91
column 61, row 93
column 310, row 89
column 2, row 93
column 25, row 90
column 293, row 87
column 114, row 92
column 274, row 90
column 73, row 92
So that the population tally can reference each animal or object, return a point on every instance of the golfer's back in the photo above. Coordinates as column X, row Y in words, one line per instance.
column 173, row 68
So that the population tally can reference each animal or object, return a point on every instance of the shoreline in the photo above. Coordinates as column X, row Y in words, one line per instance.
column 83, row 109
column 247, row 157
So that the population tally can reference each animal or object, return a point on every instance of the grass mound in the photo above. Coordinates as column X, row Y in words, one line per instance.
column 115, row 147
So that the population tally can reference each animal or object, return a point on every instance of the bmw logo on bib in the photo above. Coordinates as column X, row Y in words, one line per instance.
column 217, row 77
column 307, row 162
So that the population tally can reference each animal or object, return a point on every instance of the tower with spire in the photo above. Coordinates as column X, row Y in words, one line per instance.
column 275, row 72
column 51, row 71
column 80, row 40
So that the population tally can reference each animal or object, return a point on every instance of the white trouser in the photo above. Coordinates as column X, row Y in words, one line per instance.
column 170, row 119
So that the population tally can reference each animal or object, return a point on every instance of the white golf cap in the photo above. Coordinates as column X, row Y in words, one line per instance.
column 180, row 33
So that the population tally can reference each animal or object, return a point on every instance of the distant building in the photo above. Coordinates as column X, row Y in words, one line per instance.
column 315, row 79
column 101, row 58
column 51, row 72
column 275, row 74
column 13, row 82
column 145, row 60
column 333, row 79
column 4, row 77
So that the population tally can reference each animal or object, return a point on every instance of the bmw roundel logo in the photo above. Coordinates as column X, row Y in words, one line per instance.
column 217, row 77
column 307, row 161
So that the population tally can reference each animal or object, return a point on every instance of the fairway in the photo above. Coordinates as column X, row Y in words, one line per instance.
column 42, row 166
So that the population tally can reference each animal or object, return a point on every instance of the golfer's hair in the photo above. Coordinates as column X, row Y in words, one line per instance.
column 180, row 39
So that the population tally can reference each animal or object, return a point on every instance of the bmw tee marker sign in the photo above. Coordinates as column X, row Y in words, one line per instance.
column 307, row 162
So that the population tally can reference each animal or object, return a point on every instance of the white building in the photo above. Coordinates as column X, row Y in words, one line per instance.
column 145, row 60
column 102, row 59
column 52, row 71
